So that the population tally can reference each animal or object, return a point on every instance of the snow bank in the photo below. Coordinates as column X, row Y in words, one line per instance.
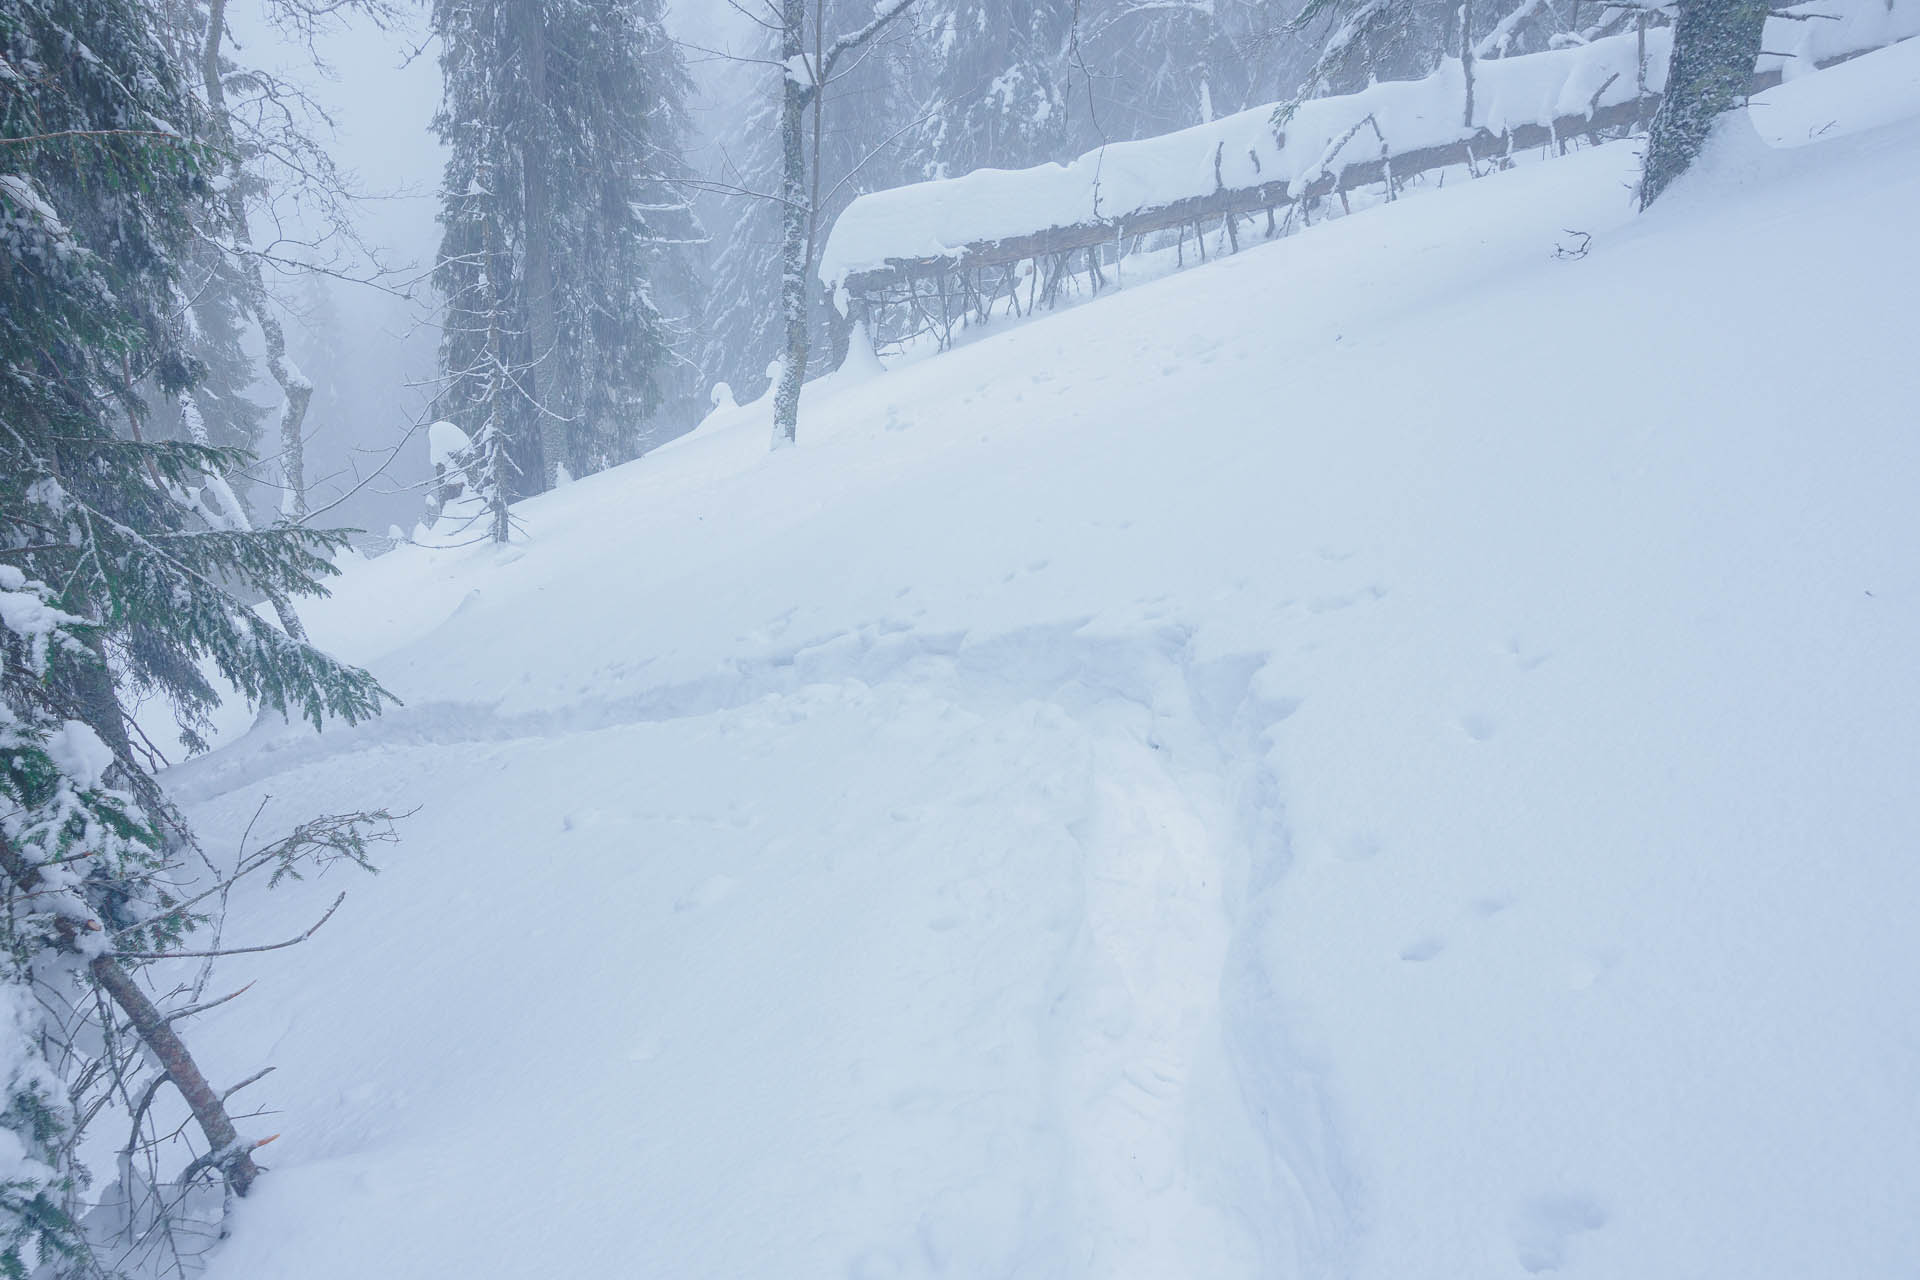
column 1246, row 150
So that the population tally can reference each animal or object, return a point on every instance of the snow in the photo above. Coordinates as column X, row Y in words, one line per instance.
column 77, row 752
column 24, row 610
column 1413, row 781
column 1245, row 150
column 22, row 1070
column 446, row 445
column 23, row 191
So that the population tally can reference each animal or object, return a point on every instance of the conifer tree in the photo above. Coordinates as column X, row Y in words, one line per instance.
column 1362, row 41
column 1160, row 65
column 741, row 324
column 565, row 123
column 111, row 576
column 994, row 95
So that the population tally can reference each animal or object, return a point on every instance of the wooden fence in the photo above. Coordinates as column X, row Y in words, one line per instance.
column 934, row 295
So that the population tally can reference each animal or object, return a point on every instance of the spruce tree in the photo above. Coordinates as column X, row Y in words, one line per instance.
column 741, row 332
column 1154, row 67
column 110, row 577
column 1362, row 41
column 568, row 240
column 994, row 96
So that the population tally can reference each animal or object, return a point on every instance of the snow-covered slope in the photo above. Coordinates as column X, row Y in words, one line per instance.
column 1389, row 755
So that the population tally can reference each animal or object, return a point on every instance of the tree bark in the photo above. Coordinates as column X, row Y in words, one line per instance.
column 495, row 457
column 795, row 214
column 1715, row 44
column 209, row 1112
column 542, row 373
column 1466, row 56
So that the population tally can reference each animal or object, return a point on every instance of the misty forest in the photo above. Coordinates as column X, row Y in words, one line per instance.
column 878, row 639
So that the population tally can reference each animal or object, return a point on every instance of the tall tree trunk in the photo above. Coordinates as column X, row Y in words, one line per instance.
column 542, row 375
column 1466, row 56
column 1715, row 44
column 794, row 218
column 494, row 455
column 294, row 385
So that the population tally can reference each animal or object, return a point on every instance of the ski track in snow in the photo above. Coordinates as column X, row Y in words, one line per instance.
column 1195, row 1143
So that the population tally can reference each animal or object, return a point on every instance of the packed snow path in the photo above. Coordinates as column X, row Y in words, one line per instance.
column 1388, row 756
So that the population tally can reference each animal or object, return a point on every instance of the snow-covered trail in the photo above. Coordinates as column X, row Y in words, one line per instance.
column 1088, row 1104
column 1382, row 756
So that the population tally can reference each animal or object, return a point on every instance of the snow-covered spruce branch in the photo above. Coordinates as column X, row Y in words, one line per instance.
column 883, row 14
column 58, row 135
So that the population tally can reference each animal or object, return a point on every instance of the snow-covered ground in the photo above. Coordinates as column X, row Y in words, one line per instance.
column 1390, row 755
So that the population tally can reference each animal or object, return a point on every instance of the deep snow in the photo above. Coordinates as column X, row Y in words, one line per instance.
column 1388, row 755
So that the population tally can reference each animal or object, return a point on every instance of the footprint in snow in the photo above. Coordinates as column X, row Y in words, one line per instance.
column 1334, row 603
column 1478, row 727
column 1361, row 846
column 1593, row 967
column 1423, row 950
column 1522, row 657
column 710, row 891
column 1545, row 1226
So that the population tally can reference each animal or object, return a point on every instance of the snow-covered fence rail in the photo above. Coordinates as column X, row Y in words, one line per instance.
column 946, row 248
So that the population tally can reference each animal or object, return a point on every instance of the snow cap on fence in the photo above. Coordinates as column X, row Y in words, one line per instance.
column 947, row 218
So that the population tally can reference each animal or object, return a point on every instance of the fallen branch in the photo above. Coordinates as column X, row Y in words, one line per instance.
column 235, row 1158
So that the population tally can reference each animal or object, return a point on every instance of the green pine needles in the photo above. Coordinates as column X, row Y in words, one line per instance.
column 113, row 582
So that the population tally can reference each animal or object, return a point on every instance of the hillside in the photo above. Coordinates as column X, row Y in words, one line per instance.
column 1387, row 755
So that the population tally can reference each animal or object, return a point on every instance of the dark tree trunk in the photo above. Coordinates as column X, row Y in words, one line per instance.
column 1715, row 44
column 542, row 375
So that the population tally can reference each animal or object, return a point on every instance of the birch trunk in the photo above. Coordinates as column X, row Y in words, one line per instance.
column 794, row 217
